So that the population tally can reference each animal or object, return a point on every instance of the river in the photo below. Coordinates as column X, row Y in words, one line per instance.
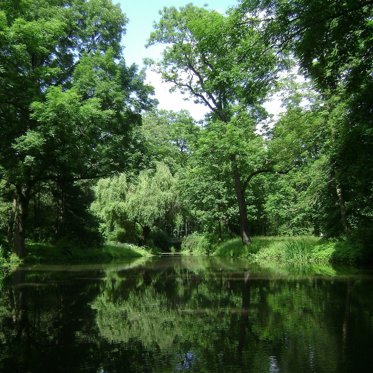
column 186, row 314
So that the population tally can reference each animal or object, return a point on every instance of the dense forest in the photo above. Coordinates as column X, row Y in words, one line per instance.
column 86, row 156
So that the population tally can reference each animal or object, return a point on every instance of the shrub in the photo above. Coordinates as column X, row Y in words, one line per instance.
column 198, row 244
column 127, row 232
column 8, row 260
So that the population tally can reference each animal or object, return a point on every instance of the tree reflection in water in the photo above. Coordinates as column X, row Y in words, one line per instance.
column 185, row 314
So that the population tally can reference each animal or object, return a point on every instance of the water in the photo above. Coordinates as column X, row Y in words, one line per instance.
column 179, row 314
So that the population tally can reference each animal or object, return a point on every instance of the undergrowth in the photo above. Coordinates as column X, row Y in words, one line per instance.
column 197, row 244
column 292, row 250
column 8, row 262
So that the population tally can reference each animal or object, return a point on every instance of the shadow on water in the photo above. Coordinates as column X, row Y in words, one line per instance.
column 186, row 314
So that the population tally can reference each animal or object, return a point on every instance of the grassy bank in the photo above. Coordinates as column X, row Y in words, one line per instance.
column 60, row 254
column 263, row 250
column 284, row 250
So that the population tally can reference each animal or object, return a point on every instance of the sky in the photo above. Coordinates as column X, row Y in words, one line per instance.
column 141, row 16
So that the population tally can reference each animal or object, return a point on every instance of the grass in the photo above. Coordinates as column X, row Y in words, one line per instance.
column 292, row 250
column 65, row 254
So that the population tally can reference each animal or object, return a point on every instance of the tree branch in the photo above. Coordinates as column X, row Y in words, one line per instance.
column 201, row 81
column 262, row 171
column 257, row 172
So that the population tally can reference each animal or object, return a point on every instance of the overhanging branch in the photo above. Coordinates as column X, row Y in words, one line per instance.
column 262, row 171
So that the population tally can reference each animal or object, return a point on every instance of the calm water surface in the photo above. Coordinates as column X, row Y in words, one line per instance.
column 176, row 314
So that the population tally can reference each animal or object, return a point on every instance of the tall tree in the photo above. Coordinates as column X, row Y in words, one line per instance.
column 334, row 46
column 208, row 184
column 220, row 64
column 67, row 98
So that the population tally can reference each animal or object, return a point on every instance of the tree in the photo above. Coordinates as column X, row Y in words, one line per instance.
column 208, row 183
column 130, row 210
column 219, row 64
column 153, row 201
column 67, row 99
column 299, row 145
column 333, row 44
column 110, row 207
column 168, row 137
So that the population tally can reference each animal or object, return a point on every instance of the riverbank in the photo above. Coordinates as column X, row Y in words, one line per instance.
column 301, row 250
column 290, row 250
column 52, row 254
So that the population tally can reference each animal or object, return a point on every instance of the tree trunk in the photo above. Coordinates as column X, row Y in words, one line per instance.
column 240, row 195
column 20, row 205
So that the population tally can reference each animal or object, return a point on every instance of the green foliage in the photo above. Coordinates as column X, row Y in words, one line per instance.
column 233, row 248
column 197, row 244
column 300, row 250
column 68, row 102
column 331, row 39
column 143, row 211
column 71, row 110
column 5, row 210
column 153, row 199
column 160, row 240
column 208, row 57
column 168, row 137
column 228, row 68
column 58, row 211
column 299, row 145
column 297, row 250
column 109, row 206
column 8, row 262
column 207, row 183
column 64, row 252
column 332, row 43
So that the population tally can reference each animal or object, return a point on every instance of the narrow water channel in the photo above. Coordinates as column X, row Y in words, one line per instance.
column 186, row 314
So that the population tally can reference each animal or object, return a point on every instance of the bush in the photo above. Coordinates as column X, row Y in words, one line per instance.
column 8, row 260
column 128, row 232
column 197, row 244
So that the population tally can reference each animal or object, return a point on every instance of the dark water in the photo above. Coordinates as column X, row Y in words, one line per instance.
column 186, row 315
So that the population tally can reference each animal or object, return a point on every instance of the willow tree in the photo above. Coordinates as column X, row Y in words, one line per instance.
column 67, row 98
column 221, row 62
